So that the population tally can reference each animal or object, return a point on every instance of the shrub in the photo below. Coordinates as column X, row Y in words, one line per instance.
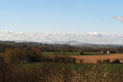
column 116, row 61
column 81, row 60
column 5, row 71
column 99, row 61
column 13, row 56
column 64, row 59
column 106, row 61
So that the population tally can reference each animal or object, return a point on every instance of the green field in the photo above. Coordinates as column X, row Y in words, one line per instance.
column 60, row 53
column 93, row 53
column 39, row 64
column 81, row 68
column 70, row 53
column 78, row 67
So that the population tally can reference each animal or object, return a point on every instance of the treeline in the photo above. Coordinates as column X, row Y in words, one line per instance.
column 59, row 47
column 19, row 56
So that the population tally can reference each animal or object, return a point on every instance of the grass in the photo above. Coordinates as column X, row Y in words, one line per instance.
column 32, row 65
column 81, row 68
column 70, row 53
column 93, row 53
column 114, row 67
column 72, row 65
column 60, row 53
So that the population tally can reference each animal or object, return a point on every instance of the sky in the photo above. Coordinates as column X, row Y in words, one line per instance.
column 74, row 16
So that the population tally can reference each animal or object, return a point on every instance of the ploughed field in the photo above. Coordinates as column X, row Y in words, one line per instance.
column 96, row 58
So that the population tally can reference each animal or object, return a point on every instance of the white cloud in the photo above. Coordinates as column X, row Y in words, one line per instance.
column 118, row 18
column 94, row 34
column 91, row 37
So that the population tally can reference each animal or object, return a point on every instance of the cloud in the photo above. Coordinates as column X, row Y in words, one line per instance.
column 118, row 18
column 60, row 38
column 94, row 34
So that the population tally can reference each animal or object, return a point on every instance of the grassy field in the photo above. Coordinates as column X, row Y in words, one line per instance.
column 87, row 72
column 93, row 53
column 70, row 53
column 39, row 64
column 78, row 67
column 60, row 53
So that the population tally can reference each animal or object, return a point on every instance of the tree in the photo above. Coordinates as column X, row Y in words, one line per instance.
column 13, row 56
column 34, row 55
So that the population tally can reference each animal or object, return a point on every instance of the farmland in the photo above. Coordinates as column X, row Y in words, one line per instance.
column 77, row 67
column 80, row 68
column 87, row 72
column 45, row 63
column 86, row 57
column 60, row 53
column 95, row 58
column 70, row 53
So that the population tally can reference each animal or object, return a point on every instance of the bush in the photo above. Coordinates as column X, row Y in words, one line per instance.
column 116, row 61
column 13, row 56
column 106, row 61
column 5, row 71
column 81, row 60
column 99, row 61
column 64, row 59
